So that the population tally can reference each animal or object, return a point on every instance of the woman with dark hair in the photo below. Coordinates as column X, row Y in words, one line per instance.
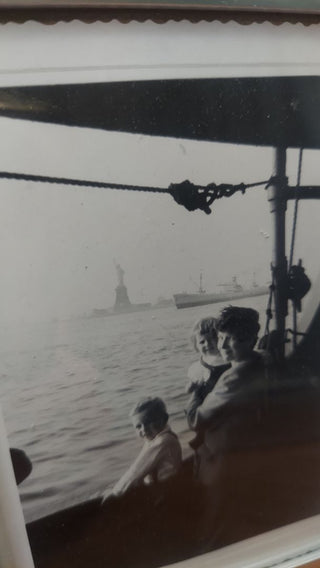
column 225, row 416
column 229, row 420
column 237, row 330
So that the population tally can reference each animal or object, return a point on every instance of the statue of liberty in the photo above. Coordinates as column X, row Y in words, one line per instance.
column 120, row 274
column 122, row 298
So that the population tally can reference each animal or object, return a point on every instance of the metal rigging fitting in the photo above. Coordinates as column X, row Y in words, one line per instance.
column 298, row 285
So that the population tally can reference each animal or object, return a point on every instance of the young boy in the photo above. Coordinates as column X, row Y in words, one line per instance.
column 160, row 457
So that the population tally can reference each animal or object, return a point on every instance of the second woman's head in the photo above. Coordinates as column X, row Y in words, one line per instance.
column 237, row 329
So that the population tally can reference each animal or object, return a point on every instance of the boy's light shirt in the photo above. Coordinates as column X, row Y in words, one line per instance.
column 160, row 457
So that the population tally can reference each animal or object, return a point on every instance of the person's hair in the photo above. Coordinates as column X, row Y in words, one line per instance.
column 243, row 323
column 204, row 326
column 154, row 409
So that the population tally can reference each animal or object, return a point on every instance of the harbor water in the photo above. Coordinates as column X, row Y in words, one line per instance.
column 67, row 388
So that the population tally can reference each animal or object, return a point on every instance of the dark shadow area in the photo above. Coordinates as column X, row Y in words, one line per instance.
column 269, row 476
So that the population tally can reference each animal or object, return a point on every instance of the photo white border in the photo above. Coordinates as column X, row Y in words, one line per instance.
column 34, row 54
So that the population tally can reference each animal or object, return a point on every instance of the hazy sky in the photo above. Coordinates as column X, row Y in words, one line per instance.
column 58, row 244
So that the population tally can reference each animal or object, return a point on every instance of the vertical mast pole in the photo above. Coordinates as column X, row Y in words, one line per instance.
column 278, row 205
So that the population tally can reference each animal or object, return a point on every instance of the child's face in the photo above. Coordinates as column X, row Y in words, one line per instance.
column 206, row 344
column 143, row 427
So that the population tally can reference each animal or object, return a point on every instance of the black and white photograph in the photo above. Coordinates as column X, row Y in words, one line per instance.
column 160, row 320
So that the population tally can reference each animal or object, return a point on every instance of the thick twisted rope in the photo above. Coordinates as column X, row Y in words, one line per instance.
column 78, row 182
column 186, row 193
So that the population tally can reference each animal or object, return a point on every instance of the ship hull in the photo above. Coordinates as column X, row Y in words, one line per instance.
column 203, row 299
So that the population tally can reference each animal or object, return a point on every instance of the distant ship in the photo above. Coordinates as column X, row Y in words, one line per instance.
column 230, row 291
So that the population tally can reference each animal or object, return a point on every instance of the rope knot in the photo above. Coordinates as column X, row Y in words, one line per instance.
column 193, row 197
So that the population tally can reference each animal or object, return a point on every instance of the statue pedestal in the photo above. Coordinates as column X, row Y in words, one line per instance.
column 122, row 298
